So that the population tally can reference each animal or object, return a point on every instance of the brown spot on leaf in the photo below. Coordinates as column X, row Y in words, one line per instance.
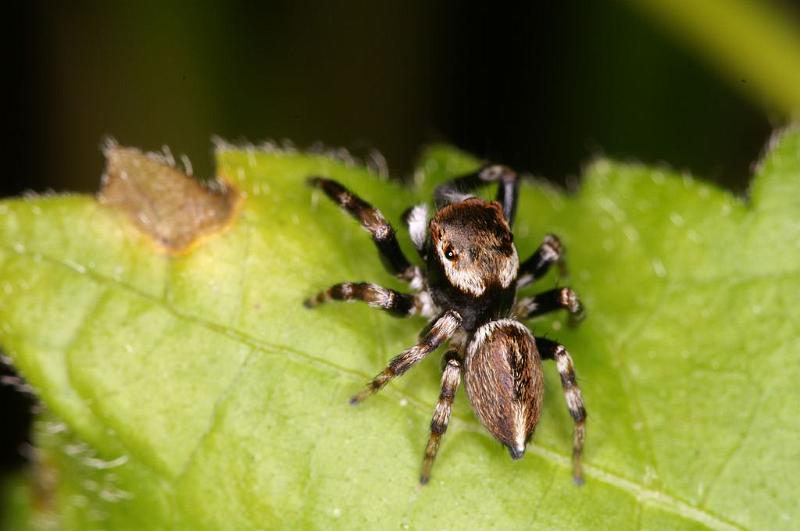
column 44, row 484
column 174, row 209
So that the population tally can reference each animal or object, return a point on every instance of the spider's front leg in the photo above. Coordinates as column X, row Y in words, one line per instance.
column 551, row 350
column 507, row 193
column 443, row 329
column 373, row 222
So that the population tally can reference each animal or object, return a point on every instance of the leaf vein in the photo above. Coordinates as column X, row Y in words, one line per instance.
column 639, row 491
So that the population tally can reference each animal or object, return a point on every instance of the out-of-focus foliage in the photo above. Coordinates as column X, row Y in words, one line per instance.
column 755, row 43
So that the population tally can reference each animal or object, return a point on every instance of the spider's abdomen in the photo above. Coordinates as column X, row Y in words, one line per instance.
column 504, row 382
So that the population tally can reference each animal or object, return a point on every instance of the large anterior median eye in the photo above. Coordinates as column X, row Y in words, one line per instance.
column 449, row 252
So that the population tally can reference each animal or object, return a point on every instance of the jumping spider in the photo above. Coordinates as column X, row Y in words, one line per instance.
column 468, row 289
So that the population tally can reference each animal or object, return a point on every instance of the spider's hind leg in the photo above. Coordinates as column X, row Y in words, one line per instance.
column 373, row 222
column 451, row 376
column 551, row 350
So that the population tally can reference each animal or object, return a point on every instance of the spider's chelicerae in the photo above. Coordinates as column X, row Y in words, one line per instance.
column 468, row 289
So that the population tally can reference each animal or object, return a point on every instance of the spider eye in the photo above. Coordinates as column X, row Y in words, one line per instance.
column 449, row 253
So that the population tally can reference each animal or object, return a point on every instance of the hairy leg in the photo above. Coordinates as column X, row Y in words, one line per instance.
column 549, row 301
column 443, row 329
column 552, row 350
column 393, row 302
column 451, row 376
column 507, row 192
column 549, row 252
column 373, row 222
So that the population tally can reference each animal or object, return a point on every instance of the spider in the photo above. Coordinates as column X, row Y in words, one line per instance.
column 467, row 289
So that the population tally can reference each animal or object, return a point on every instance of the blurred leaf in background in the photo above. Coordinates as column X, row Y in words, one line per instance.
column 756, row 44
column 540, row 87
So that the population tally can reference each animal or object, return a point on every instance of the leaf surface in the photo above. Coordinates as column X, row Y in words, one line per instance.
column 193, row 390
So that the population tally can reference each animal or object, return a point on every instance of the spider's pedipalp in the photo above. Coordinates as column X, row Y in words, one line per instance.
column 451, row 376
column 443, row 329
column 373, row 222
column 572, row 394
column 417, row 220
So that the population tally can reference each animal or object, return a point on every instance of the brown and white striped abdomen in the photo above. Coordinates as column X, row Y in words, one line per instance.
column 503, row 378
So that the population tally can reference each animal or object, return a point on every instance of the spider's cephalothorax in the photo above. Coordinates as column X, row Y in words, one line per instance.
column 472, row 262
column 468, row 291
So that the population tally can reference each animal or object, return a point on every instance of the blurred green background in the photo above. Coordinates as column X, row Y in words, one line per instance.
column 542, row 87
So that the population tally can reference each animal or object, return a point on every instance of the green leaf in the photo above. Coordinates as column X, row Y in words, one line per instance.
column 748, row 41
column 192, row 390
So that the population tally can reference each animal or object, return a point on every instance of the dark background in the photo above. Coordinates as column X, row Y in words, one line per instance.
column 543, row 88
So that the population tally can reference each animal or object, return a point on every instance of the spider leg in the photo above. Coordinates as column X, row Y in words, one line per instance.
column 443, row 329
column 507, row 193
column 373, row 221
column 552, row 350
column 394, row 302
column 549, row 301
column 549, row 252
column 451, row 376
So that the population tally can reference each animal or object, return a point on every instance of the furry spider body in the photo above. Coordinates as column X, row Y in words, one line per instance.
column 471, row 261
column 468, row 290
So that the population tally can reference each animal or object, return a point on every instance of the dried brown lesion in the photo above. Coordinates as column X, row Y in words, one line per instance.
column 174, row 209
column 44, row 480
